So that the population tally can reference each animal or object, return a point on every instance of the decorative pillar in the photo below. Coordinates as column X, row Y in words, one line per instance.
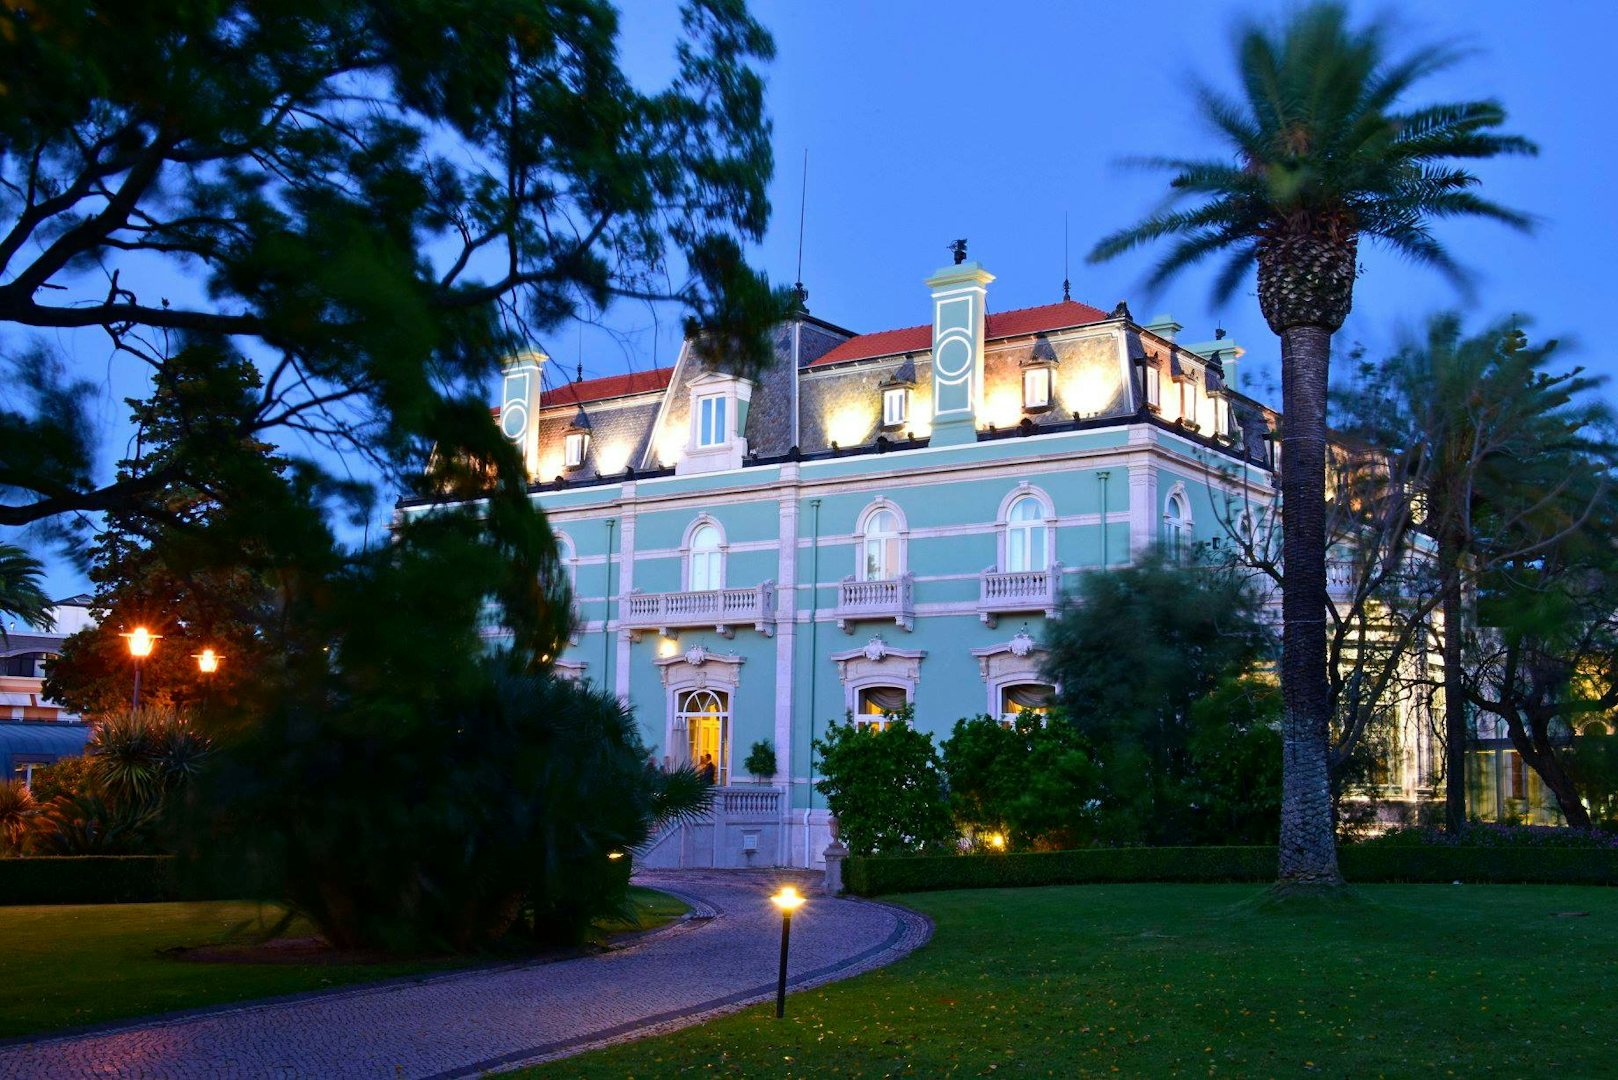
column 959, row 294
column 625, row 585
column 520, row 392
column 1144, row 515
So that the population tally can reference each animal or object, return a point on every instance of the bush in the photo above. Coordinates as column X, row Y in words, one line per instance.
column 885, row 787
column 1031, row 781
column 1364, row 864
column 760, row 763
column 1479, row 835
column 123, row 879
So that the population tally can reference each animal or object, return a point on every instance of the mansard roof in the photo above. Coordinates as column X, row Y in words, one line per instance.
column 1001, row 324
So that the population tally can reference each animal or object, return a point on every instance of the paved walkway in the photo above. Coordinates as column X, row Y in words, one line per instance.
column 470, row 1023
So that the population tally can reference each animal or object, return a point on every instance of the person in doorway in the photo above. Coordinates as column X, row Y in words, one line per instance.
column 707, row 769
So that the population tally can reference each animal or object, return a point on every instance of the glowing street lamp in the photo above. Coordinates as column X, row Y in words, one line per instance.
column 141, row 641
column 788, row 900
column 207, row 661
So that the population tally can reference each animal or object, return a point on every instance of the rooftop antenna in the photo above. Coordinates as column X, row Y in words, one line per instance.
column 1067, row 286
column 578, row 372
column 799, row 293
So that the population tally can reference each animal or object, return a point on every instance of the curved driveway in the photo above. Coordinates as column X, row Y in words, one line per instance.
column 721, row 958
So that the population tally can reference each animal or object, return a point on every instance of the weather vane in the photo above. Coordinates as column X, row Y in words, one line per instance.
column 959, row 248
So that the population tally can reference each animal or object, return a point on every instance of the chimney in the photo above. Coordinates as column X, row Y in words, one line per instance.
column 959, row 293
column 519, row 404
column 1164, row 326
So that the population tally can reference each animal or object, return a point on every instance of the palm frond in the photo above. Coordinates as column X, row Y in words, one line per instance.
column 21, row 589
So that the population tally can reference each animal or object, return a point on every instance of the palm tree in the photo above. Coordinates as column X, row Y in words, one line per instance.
column 1323, row 152
column 20, row 592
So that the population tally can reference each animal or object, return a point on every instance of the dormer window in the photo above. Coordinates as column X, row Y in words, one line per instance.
column 1036, row 389
column 711, row 421
column 1188, row 399
column 576, row 443
column 574, row 447
column 1151, row 382
column 895, row 406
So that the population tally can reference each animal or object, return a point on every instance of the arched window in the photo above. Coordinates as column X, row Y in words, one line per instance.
column 1176, row 526
column 565, row 559
column 879, row 706
column 702, row 732
column 1018, row 698
column 707, row 570
column 1025, row 535
column 879, row 550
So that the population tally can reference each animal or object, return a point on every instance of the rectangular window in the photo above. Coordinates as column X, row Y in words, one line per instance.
column 1154, row 385
column 1036, row 388
column 711, row 421
column 1221, row 410
column 573, row 449
column 895, row 406
column 1188, row 400
column 1519, row 776
column 880, row 706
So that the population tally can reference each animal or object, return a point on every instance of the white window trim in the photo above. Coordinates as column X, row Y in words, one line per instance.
column 687, row 550
column 902, row 533
column 1040, row 378
column 575, row 444
column 900, row 394
column 1177, row 495
column 730, row 452
column 710, row 671
column 1003, row 530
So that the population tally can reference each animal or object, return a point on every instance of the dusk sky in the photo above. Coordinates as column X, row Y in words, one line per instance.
column 925, row 122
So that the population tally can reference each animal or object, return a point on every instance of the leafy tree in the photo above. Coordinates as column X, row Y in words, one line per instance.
column 1323, row 151
column 1233, row 784
column 885, row 786
column 374, row 203
column 1032, row 781
column 203, row 576
column 760, row 763
column 1135, row 651
column 1501, row 460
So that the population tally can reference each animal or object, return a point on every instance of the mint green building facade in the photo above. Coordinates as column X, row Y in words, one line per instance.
column 878, row 519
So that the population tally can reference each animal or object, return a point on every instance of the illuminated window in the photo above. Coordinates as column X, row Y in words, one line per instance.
column 1221, row 411
column 707, row 560
column 702, row 732
column 573, row 448
column 879, row 706
column 1519, row 776
column 880, row 554
column 1024, row 698
column 1153, row 380
column 1036, row 388
column 1188, row 400
column 895, row 406
column 1025, row 535
column 711, row 421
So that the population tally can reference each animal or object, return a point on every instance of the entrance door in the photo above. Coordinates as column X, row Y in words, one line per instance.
column 705, row 717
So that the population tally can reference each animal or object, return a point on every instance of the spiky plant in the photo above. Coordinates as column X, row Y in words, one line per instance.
column 16, row 810
column 1323, row 149
column 21, row 594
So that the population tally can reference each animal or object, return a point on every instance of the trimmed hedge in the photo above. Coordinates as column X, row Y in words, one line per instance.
column 876, row 876
column 88, row 879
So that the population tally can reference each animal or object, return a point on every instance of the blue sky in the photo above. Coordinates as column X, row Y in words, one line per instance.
column 927, row 121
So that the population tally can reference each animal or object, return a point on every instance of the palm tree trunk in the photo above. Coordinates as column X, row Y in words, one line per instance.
column 1308, row 843
column 1455, row 729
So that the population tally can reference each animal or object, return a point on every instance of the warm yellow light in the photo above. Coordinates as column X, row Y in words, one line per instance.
column 667, row 647
column 852, row 425
column 612, row 458
column 207, row 661
column 996, row 840
column 788, row 900
column 1002, row 407
column 615, row 854
column 1090, row 389
column 140, row 641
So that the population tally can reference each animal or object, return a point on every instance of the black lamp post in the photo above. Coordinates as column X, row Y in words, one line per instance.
column 788, row 900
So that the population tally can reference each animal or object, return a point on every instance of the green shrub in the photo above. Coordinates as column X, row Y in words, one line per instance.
column 1361, row 864
column 760, row 763
column 1031, row 780
column 115, row 879
column 885, row 787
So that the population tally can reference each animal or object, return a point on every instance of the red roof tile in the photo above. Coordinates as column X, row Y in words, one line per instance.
column 1001, row 324
column 608, row 386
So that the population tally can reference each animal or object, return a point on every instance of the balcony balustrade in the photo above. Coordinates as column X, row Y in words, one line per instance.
column 722, row 609
column 1014, row 592
column 894, row 598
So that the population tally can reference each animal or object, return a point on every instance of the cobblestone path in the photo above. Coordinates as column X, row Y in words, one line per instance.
column 718, row 960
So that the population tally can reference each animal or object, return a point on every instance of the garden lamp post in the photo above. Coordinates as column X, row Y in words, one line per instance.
column 207, row 666
column 788, row 900
column 140, row 641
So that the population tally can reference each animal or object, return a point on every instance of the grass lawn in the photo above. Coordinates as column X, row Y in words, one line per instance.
column 1167, row 980
column 85, row 964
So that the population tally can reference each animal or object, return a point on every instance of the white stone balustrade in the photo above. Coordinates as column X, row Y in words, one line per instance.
column 722, row 609
column 894, row 598
column 1009, row 592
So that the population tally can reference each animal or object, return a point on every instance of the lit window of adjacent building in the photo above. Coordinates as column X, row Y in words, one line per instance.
column 1036, row 388
column 880, row 706
column 711, row 420
column 573, row 448
column 880, row 560
column 707, row 570
column 1025, row 535
column 895, row 406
